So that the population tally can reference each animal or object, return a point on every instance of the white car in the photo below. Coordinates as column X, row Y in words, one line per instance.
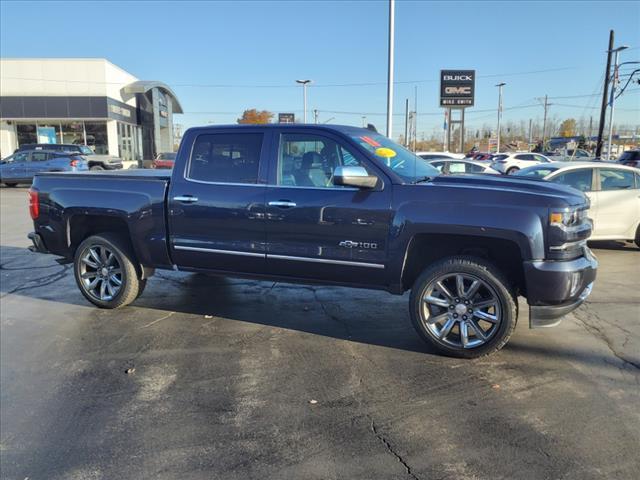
column 614, row 191
column 439, row 155
column 454, row 166
column 510, row 163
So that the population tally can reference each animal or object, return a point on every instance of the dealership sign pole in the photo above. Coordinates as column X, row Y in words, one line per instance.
column 457, row 92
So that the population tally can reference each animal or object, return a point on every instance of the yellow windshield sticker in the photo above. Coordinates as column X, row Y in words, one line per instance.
column 385, row 152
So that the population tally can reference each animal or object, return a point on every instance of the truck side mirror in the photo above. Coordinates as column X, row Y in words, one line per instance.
column 354, row 177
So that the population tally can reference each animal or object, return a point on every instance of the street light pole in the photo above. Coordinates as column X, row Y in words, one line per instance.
column 614, row 83
column 499, row 85
column 304, row 84
column 390, row 70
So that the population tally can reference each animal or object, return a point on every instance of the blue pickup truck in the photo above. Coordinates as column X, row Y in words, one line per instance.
column 331, row 205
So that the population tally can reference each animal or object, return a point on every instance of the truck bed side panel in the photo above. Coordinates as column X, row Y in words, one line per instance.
column 138, row 201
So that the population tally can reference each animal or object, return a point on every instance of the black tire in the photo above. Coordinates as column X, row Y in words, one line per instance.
column 96, row 167
column 512, row 170
column 11, row 185
column 131, row 286
column 637, row 239
column 494, row 280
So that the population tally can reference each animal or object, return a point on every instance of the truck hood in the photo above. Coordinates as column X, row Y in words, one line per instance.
column 513, row 184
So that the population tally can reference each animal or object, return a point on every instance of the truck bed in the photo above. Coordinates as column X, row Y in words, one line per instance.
column 134, row 200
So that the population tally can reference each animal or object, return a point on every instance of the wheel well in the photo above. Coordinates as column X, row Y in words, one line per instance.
column 425, row 249
column 83, row 226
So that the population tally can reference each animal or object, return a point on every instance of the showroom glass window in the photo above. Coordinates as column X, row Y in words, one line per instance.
column 226, row 158
column 26, row 133
column 72, row 133
column 97, row 137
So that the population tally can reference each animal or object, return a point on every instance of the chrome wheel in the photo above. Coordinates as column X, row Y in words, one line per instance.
column 460, row 310
column 100, row 272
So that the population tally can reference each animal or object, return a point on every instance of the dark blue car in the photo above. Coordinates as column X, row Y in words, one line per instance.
column 23, row 165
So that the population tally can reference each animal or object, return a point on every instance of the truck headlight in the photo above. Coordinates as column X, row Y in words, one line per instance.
column 568, row 218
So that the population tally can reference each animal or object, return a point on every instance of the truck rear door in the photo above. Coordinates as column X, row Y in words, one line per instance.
column 216, row 201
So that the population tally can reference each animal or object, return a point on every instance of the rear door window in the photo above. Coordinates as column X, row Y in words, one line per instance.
column 39, row 156
column 613, row 179
column 581, row 179
column 226, row 158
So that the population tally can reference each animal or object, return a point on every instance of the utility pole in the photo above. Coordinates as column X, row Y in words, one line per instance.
column 415, row 111
column 390, row 70
column 603, row 107
column 590, row 130
column 499, row 85
column 614, row 84
column 546, row 106
column 315, row 115
column 530, row 131
column 406, row 123
column 304, row 84
column 364, row 121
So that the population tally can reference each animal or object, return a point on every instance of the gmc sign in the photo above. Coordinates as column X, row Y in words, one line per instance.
column 457, row 88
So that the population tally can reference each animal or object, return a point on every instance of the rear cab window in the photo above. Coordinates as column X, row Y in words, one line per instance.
column 225, row 158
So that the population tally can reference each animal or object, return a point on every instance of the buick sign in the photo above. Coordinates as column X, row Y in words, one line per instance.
column 457, row 88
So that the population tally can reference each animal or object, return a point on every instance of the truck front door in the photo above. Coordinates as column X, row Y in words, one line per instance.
column 319, row 230
column 216, row 202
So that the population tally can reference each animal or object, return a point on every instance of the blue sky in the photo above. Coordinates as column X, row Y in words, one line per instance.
column 260, row 48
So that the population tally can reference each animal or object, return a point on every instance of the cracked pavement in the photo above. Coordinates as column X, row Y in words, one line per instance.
column 225, row 371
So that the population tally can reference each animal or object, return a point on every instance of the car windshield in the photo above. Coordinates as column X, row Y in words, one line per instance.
column 86, row 150
column 404, row 163
column 535, row 172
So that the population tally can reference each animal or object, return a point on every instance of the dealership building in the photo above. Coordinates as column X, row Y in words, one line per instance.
column 86, row 101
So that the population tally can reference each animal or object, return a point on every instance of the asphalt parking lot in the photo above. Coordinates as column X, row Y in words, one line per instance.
column 209, row 377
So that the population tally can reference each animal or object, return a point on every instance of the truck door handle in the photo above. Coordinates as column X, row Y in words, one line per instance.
column 282, row 204
column 186, row 199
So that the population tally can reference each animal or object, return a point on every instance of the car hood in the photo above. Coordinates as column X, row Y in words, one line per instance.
column 513, row 184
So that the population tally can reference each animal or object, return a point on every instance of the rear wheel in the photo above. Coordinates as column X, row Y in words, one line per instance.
column 512, row 170
column 463, row 307
column 105, row 272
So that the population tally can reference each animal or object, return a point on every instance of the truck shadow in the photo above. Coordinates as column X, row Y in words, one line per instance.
column 372, row 317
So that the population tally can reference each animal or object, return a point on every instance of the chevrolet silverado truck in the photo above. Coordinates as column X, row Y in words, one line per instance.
column 328, row 205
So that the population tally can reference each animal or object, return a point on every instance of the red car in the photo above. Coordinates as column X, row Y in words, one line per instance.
column 164, row 160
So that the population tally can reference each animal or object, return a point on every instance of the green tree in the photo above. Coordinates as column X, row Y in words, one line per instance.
column 568, row 128
column 254, row 116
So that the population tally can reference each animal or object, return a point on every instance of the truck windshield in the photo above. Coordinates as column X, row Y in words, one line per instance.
column 404, row 163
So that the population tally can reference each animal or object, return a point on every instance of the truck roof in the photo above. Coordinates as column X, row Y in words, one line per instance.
column 296, row 126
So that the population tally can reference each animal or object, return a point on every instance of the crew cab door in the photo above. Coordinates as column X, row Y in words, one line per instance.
column 216, row 201
column 319, row 230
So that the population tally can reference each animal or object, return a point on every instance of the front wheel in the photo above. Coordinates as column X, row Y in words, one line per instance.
column 463, row 307
column 105, row 271
column 512, row 170
column 96, row 167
